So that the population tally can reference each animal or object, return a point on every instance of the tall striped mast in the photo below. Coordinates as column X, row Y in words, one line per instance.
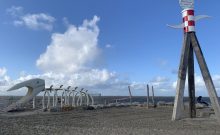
column 190, row 46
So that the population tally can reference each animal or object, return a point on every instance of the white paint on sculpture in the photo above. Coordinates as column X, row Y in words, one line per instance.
column 35, row 86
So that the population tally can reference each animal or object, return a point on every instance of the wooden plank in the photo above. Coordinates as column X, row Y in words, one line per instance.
column 206, row 76
column 152, row 88
column 129, row 89
column 147, row 96
column 191, row 84
column 178, row 103
column 34, row 103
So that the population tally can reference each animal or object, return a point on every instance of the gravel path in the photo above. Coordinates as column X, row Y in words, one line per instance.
column 111, row 121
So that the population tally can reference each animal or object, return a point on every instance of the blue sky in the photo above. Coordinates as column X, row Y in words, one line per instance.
column 125, row 43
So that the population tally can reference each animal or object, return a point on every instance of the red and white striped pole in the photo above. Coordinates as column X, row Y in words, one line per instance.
column 188, row 16
column 188, row 20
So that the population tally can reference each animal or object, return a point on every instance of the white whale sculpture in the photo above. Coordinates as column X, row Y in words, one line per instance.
column 34, row 86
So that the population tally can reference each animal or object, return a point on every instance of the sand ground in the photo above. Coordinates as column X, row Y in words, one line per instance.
column 110, row 121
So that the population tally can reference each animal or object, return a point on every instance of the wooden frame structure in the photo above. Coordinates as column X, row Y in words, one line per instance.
column 190, row 45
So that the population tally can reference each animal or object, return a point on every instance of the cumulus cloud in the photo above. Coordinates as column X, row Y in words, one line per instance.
column 32, row 21
column 96, row 81
column 200, row 85
column 5, row 80
column 71, row 56
column 3, row 71
column 70, row 60
column 15, row 11
column 73, row 50
column 66, row 21
column 163, row 85
column 90, row 79
column 36, row 21
column 107, row 83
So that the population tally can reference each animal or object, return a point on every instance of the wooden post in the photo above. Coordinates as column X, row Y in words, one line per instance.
column 105, row 102
column 178, row 103
column 191, row 43
column 129, row 89
column 34, row 103
column 206, row 76
column 147, row 96
column 191, row 84
column 152, row 88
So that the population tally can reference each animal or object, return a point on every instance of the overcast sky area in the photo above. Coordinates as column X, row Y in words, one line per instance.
column 103, row 45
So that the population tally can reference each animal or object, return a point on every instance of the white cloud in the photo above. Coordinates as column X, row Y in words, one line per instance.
column 15, row 11
column 107, row 83
column 37, row 21
column 160, row 82
column 108, row 46
column 87, row 79
column 3, row 71
column 163, row 86
column 18, row 23
column 66, row 21
column 138, row 85
column 33, row 21
column 167, row 87
column 94, row 80
column 71, row 56
column 72, row 51
column 4, row 80
column 200, row 85
column 70, row 60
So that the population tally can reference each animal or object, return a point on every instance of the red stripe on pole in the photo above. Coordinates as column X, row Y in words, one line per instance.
column 191, row 23
column 185, row 18
column 188, row 20
column 186, row 29
column 190, row 12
